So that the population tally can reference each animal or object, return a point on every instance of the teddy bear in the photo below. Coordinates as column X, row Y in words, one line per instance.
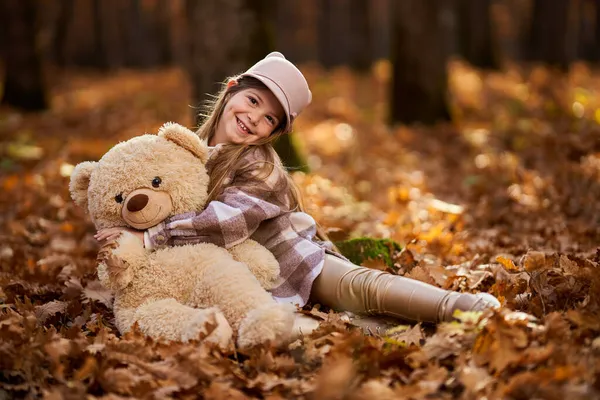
column 175, row 293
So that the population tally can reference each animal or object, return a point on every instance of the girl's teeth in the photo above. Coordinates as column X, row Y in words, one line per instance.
column 242, row 126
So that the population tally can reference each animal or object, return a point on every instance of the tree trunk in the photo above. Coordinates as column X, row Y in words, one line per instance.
column 100, row 54
column 476, row 39
column 141, row 52
column 65, row 16
column 380, row 28
column 586, row 46
column 359, row 29
column 549, row 33
column 596, row 45
column 297, row 29
column 344, row 33
column 23, row 82
column 419, row 63
column 162, row 24
column 262, row 36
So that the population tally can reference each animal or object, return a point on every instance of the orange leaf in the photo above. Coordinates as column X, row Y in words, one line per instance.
column 508, row 264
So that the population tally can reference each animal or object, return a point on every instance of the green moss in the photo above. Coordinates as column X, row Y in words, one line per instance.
column 361, row 249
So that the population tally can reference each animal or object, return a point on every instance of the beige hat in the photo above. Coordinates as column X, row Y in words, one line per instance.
column 286, row 82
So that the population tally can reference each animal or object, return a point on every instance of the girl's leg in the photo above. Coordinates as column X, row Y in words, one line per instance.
column 345, row 286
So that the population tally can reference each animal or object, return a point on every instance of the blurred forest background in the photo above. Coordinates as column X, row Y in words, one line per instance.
column 467, row 131
column 214, row 39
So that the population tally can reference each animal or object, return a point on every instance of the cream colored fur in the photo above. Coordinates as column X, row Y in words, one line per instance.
column 177, row 293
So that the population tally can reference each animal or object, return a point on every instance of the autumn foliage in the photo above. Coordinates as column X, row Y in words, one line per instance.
column 505, row 200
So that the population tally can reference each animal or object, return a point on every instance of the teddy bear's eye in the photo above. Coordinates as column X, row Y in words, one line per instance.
column 119, row 198
column 156, row 181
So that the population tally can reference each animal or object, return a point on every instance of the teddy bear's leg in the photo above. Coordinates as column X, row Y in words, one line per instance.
column 247, row 306
column 171, row 320
column 261, row 262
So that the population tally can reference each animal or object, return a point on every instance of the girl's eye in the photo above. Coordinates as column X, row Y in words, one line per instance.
column 252, row 100
column 119, row 198
column 156, row 181
column 270, row 119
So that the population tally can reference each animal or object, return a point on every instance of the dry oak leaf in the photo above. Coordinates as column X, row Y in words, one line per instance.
column 419, row 273
column 94, row 291
column 407, row 335
column 46, row 310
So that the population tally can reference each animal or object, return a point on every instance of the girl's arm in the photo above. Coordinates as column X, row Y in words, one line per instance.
column 227, row 221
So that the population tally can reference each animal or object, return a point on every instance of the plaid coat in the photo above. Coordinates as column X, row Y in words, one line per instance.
column 251, row 207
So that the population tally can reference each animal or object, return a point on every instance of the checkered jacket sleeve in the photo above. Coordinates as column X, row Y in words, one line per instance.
column 227, row 221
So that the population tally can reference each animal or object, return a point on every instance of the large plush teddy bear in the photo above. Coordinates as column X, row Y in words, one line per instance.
column 172, row 293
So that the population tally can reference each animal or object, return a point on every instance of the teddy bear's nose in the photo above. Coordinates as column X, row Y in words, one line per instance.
column 137, row 202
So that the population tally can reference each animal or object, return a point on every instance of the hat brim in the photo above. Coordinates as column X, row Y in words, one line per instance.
column 279, row 95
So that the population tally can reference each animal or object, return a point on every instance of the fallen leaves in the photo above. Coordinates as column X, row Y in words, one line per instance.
column 504, row 204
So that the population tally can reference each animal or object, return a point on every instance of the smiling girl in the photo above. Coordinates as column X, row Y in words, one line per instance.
column 252, row 196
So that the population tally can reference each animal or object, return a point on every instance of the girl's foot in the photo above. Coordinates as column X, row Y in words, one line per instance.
column 465, row 302
column 486, row 301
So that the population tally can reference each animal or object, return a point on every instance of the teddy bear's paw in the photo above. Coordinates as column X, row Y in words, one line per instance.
column 212, row 325
column 272, row 323
column 130, row 248
column 260, row 261
column 113, row 272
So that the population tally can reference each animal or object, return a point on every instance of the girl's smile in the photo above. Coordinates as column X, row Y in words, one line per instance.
column 243, row 127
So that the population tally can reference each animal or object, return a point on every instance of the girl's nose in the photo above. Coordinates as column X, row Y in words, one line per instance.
column 252, row 118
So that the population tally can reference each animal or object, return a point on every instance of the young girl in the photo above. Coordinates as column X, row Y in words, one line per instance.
column 252, row 196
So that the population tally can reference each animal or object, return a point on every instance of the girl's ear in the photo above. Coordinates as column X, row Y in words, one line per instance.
column 185, row 138
column 80, row 182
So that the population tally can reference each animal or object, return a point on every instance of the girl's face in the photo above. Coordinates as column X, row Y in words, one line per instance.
column 249, row 116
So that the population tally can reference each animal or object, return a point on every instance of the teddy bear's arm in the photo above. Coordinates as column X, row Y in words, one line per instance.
column 171, row 320
column 118, row 259
column 260, row 262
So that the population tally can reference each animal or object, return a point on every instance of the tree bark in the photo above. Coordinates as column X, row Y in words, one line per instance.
column 550, row 33
column 23, row 82
column 162, row 24
column 596, row 42
column 63, row 21
column 359, row 28
column 419, row 59
column 476, row 39
column 141, row 51
column 344, row 34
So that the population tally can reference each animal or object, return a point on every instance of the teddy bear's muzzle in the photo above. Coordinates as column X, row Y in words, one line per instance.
column 144, row 208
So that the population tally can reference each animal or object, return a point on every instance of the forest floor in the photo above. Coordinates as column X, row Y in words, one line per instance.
column 505, row 200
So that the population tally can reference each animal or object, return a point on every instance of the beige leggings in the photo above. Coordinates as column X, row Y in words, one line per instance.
column 345, row 286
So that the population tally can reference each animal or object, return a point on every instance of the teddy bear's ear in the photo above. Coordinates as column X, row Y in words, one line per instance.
column 184, row 138
column 80, row 181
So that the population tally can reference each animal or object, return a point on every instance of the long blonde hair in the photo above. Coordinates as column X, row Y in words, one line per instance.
column 229, row 157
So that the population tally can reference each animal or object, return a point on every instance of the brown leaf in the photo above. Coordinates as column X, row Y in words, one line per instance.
column 420, row 274
column 44, row 311
column 410, row 336
column 407, row 260
column 337, row 378
column 474, row 378
column 534, row 260
column 94, row 291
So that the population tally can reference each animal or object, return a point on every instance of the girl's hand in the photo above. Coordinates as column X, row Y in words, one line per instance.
column 109, row 234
